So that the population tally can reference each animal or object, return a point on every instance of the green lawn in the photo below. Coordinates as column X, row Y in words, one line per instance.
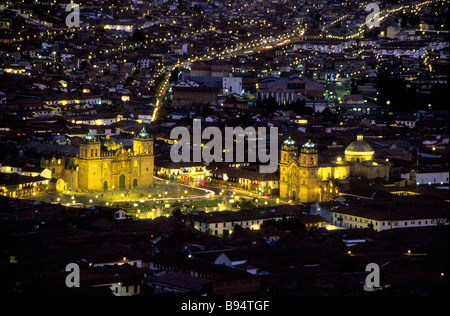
column 206, row 203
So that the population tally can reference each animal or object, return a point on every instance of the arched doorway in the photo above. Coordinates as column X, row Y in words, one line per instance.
column 134, row 183
column 122, row 181
column 60, row 185
column 105, row 185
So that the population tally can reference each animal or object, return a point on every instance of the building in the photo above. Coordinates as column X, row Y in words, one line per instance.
column 16, row 185
column 72, row 98
column 105, row 165
column 222, row 223
column 203, row 70
column 400, row 214
column 290, row 89
column 188, row 96
column 303, row 179
column 245, row 179
column 232, row 84
column 181, row 171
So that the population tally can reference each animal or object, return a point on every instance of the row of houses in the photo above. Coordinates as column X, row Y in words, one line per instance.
column 245, row 179
column 392, row 211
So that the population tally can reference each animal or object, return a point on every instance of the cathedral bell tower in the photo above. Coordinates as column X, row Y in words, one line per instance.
column 309, row 155
column 288, row 151
column 89, row 162
column 143, row 164
column 89, row 147
column 288, row 163
column 143, row 143
column 309, row 180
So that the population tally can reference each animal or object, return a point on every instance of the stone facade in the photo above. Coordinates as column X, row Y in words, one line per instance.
column 302, row 179
column 105, row 165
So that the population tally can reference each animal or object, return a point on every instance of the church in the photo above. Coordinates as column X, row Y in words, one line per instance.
column 303, row 179
column 105, row 165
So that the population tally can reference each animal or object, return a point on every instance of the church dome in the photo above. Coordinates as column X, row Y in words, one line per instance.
column 359, row 146
column 359, row 150
column 289, row 142
column 309, row 144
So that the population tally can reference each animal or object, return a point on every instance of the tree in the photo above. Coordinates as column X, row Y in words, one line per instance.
column 84, row 64
column 285, row 224
column 243, row 204
column 174, row 75
column 176, row 211
column 129, row 80
column 270, row 105
column 138, row 36
column 237, row 228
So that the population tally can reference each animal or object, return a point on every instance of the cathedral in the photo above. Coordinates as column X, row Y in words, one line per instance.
column 105, row 165
column 303, row 179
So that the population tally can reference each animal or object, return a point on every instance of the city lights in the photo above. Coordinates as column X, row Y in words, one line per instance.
column 179, row 149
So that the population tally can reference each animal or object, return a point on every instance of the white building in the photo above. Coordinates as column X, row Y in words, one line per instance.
column 379, row 220
column 232, row 84
column 223, row 222
column 428, row 177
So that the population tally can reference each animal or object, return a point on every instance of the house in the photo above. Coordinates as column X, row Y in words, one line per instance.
column 234, row 101
column 118, row 280
column 188, row 96
column 222, row 223
column 406, row 119
column 394, row 213
column 174, row 282
column 226, row 280
column 17, row 185
column 244, row 179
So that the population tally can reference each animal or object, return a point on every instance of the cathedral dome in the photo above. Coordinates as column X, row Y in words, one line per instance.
column 359, row 150
column 360, row 146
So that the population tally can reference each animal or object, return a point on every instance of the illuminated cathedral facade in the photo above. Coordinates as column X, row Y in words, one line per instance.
column 104, row 165
column 303, row 179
